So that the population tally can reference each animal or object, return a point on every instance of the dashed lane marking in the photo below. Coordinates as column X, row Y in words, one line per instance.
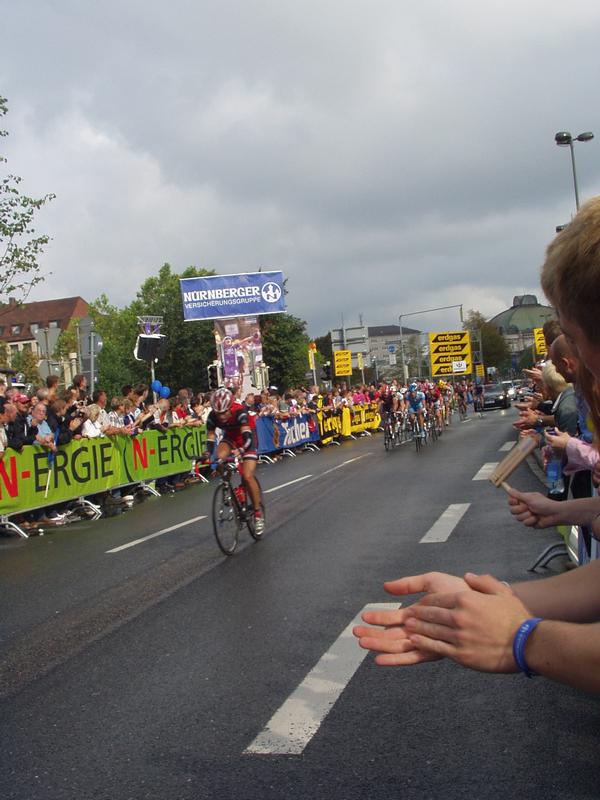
column 485, row 472
column 283, row 485
column 443, row 527
column 294, row 724
column 158, row 533
column 343, row 464
column 506, row 447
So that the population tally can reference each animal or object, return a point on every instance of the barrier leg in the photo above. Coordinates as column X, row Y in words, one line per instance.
column 265, row 459
column 5, row 522
column 551, row 552
column 85, row 503
column 150, row 489
column 288, row 452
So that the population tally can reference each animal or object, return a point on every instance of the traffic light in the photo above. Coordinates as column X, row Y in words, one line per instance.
column 327, row 370
column 214, row 379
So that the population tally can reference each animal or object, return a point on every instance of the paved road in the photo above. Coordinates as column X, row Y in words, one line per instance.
column 152, row 671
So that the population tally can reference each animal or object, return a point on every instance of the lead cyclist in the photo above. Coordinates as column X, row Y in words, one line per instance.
column 232, row 419
column 415, row 405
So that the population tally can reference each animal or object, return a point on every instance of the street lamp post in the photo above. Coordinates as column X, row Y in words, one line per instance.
column 415, row 313
column 564, row 139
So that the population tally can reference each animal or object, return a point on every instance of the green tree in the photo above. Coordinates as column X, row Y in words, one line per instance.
column 118, row 329
column 3, row 354
column 285, row 349
column 324, row 347
column 190, row 345
column 67, row 341
column 26, row 362
column 19, row 246
column 495, row 352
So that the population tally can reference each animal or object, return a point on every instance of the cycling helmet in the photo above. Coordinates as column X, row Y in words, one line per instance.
column 413, row 387
column 221, row 400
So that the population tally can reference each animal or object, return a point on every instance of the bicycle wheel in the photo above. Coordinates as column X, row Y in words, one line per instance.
column 250, row 516
column 386, row 437
column 226, row 522
column 417, row 437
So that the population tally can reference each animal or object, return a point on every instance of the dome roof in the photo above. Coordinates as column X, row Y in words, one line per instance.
column 524, row 315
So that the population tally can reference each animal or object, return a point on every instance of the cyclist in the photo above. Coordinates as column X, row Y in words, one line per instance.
column 232, row 418
column 415, row 405
column 387, row 402
column 434, row 401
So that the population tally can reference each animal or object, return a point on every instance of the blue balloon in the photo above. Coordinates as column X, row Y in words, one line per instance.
column 156, row 386
column 165, row 392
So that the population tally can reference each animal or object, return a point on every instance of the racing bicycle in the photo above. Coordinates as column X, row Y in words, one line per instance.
column 232, row 507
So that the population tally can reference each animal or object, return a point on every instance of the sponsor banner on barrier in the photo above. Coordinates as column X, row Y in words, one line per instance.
column 330, row 424
column 278, row 434
column 347, row 421
column 360, row 418
column 88, row 466
column 220, row 296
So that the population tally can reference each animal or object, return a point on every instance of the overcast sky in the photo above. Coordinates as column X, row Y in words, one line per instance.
column 387, row 156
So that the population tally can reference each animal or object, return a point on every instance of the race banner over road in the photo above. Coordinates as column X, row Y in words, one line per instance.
column 222, row 296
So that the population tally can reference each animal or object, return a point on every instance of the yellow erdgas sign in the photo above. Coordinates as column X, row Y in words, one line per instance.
column 450, row 353
column 342, row 361
column 540, row 342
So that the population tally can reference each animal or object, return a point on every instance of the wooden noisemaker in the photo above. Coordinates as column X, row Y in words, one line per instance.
column 508, row 465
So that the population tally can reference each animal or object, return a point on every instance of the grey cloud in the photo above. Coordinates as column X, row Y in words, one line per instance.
column 380, row 154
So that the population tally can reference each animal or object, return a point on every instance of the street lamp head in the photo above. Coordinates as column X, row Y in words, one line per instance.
column 563, row 138
column 585, row 137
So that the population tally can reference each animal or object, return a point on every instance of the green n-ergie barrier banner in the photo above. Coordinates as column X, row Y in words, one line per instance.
column 88, row 466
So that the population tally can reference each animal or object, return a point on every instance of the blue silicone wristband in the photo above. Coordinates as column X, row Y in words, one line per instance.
column 519, row 642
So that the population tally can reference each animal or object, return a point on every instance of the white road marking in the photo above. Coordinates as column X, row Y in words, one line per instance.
column 158, row 533
column 343, row 464
column 283, row 485
column 443, row 527
column 294, row 724
column 506, row 446
column 468, row 419
column 485, row 472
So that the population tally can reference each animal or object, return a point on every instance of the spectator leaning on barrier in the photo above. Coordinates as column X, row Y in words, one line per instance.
column 64, row 427
column 38, row 426
column 551, row 626
column 91, row 426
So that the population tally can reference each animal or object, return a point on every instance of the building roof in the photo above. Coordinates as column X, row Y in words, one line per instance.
column 60, row 311
column 390, row 330
column 523, row 316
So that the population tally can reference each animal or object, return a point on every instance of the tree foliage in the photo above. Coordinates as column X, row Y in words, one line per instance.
column 20, row 247
column 27, row 362
column 285, row 349
column 190, row 345
column 495, row 350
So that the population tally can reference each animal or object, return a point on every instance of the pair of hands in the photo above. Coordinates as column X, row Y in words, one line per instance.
column 471, row 620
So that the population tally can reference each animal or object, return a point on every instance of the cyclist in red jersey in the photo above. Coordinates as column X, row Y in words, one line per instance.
column 232, row 418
